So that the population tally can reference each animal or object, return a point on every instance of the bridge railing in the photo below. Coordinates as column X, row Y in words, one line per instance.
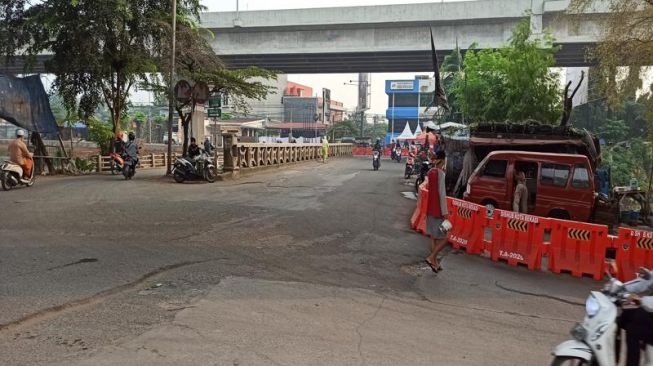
column 253, row 155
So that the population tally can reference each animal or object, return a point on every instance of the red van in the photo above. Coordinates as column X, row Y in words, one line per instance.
column 559, row 185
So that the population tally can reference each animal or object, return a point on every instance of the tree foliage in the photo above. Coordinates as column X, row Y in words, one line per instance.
column 627, row 40
column 511, row 83
column 100, row 48
column 346, row 128
column 196, row 61
column 450, row 70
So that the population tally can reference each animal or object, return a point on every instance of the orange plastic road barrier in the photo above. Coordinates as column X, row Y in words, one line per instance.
column 578, row 248
column 361, row 151
column 424, row 201
column 468, row 222
column 518, row 238
column 419, row 211
column 634, row 250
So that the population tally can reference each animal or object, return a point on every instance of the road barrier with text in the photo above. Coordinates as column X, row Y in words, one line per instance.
column 577, row 248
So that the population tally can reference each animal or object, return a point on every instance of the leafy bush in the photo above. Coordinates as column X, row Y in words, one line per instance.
column 101, row 133
column 85, row 165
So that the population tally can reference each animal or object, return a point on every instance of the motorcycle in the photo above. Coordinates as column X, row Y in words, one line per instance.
column 424, row 168
column 376, row 160
column 11, row 175
column 596, row 338
column 202, row 168
column 117, row 163
column 129, row 167
column 397, row 154
column 410, row 166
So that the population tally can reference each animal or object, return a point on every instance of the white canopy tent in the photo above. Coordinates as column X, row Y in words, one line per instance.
column 418, row 130
column 407, row 134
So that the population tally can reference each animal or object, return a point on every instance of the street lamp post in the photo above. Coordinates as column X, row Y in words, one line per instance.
column 171, row 96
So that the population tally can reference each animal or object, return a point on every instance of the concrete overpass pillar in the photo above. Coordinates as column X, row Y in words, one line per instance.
column 537, row 12
column 197, row 124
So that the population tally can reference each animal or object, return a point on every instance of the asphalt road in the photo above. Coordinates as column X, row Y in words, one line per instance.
column 308, row 264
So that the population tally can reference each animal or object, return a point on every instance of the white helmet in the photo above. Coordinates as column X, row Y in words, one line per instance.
column 20, row 133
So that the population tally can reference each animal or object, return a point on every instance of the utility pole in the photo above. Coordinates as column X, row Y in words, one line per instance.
column 171, row 96
column 392, row 128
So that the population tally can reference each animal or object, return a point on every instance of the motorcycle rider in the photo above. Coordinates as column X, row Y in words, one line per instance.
column 131, row 148
column 377, row 145
column 19, row 154
column 119, row 143
column 193, row 149
column 208, row 146
column 638, row 322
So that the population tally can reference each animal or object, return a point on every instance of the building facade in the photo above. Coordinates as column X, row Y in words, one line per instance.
column 298, row 90
column 300, row 109
column 272, row 106
column 409, row 102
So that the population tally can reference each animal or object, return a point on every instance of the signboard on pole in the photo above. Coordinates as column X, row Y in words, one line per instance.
column 402, row 85
column 326, row 104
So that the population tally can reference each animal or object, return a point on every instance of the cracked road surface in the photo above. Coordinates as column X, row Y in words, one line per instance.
column 307, row 265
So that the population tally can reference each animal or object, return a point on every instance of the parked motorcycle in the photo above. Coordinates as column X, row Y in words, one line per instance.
column 376, row 160
column 424, row 168
column 201, row 168
column 595, row 339
column 11, row 176
column 410, row 166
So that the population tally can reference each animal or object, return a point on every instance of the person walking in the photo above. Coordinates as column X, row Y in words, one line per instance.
column 325, row 149
column 437, row 211
column 520, row 198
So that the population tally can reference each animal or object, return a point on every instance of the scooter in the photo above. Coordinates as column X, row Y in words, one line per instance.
column 376, row 160
column 424, row 168
column 203, row 168
column 410, row 166
column 595, row 339
column 11, row 175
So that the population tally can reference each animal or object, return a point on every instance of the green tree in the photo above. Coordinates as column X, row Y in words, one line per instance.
column 628, row 159
column 346, row 128
column 450, row 70
column 196, row 61
column 626, row 40
column 511, row 83
column 100, row 48
column 378, row 130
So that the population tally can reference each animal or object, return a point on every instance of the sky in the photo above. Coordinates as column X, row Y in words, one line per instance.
column 347, row 94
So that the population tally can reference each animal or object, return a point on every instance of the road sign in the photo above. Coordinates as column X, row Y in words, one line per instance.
column 214, row 112
column 215, row 101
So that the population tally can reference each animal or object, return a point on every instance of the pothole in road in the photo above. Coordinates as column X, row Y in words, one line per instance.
column 415, row 269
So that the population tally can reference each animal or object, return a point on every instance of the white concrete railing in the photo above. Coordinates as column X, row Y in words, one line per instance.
column 252, row 155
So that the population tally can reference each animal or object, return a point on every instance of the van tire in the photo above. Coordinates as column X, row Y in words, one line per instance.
column 559, row 214
column 489, row 203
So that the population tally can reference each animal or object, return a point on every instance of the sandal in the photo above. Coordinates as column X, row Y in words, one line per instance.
column 431, row 265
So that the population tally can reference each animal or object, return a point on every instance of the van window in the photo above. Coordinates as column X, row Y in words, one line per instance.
column 555, row 175
column 581, row 177
column 495, row 168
